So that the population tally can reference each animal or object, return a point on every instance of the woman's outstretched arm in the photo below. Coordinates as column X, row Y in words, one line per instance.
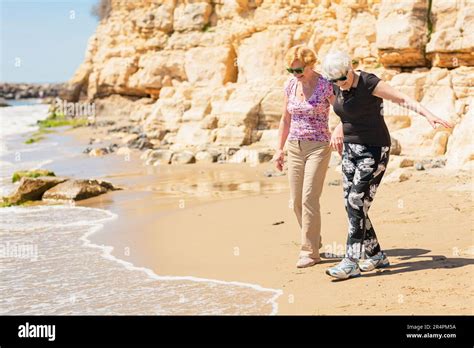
column 385, row 91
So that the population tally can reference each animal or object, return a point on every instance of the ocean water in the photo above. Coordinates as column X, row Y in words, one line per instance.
column 15, row 123
column 22, row 118
column 20, row 102
column 48, row 265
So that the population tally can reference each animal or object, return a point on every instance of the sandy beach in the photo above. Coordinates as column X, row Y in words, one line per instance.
column 229, row 222
column 224, row 233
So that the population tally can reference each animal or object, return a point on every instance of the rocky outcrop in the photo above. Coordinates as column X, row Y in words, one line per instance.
column 460, row 147
column 209, row 74
column 447, row 93
column 452, row 39
column 402, row 28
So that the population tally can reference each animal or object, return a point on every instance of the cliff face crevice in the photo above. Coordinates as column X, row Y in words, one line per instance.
column 214, row 69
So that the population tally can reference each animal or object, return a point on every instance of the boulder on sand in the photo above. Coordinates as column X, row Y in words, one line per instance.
column 32, row 189
column 77, row 189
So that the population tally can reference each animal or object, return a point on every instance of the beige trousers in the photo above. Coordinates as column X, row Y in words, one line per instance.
column 307, row 166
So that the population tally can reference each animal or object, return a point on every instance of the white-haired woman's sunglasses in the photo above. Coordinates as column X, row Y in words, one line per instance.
column 342, row 78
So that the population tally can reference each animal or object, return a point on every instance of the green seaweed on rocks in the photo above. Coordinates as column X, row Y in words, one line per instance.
column 31, row 174
column 58, row 119
column 38, row 135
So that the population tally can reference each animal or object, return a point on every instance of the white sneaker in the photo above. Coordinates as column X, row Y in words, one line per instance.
column 306, row 261
column 344, row 270
column 377, row 261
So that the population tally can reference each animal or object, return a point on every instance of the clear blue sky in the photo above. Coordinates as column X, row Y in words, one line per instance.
column 42, row 34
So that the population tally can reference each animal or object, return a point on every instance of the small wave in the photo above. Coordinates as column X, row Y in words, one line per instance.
column 21, row 119
column 69, row 276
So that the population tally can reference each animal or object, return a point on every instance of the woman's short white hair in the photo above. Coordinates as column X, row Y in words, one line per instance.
column 336, row 64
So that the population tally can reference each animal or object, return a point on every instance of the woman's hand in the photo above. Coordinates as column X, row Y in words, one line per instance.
column 279, row 159
column 433, row 120
column 337, row 139
column 385, row 91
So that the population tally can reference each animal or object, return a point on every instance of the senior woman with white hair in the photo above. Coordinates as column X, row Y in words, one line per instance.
column 363, row 140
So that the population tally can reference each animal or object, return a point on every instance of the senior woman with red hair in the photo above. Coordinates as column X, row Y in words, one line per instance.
column 304, row 124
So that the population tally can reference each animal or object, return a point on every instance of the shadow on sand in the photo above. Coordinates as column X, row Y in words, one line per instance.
column 409, row 265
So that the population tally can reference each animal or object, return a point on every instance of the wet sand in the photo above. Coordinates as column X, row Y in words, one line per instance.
column 230, row 222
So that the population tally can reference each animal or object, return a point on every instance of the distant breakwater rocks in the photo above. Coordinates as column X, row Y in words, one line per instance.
column 9, row 91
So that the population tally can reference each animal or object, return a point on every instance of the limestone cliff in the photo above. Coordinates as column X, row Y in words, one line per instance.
column 209, row 72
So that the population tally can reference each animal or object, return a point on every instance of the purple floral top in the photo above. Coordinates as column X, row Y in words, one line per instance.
column 309, row 118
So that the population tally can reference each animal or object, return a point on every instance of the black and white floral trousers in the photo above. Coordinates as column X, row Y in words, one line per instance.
column 362, row 168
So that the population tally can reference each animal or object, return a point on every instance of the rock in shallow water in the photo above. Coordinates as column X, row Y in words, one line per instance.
column 78, row 189
column 32, row 189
